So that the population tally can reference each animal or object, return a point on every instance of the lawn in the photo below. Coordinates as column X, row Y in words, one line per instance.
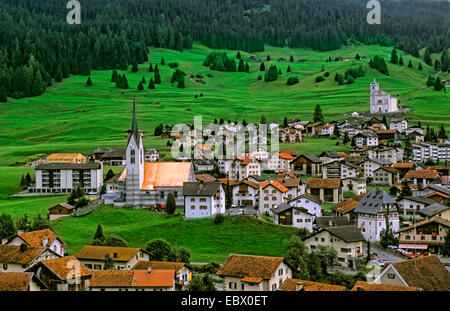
column 206, row 241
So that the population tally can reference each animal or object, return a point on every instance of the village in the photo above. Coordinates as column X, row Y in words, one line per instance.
column 380, row 211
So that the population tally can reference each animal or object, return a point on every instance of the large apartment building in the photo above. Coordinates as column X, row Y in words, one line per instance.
column 435, row 152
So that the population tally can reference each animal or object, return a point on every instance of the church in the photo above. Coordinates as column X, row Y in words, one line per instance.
column 381, row 101
column 146, row 184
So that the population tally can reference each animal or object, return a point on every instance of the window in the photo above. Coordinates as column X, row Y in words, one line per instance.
column 274, row 287
column 242, row 286
column 232, row 285
column 391, row 275
column 280, row 272
column 5, row 266
column 192, row 199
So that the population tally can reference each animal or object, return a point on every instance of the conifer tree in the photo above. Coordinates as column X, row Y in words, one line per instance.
column 420, row 66
column 410, row 64
column 445, row 61
column 288, row 69
column 438, row 85
column 3, row 97
column 247, row 67
column 150, row 69
column 400, row 62
column 89, row 81
column 394, row 57
column 262, row 67
column 151, row 84
column 430, row 81
column 143, row 80
column 427, row 57
column 163, row 62
column 318, row 115
column 140, row 86
column 114, row 76
column 241, row 66
column 238, row 55
column 181, row 82
column 437, row 65
column 134, row 67
column 291, row 59
column 268, row 57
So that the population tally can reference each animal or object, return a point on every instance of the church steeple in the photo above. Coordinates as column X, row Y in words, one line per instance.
column 134, row 125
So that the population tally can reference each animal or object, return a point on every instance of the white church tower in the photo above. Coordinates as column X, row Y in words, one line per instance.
column 381, row 101
column 135, row 163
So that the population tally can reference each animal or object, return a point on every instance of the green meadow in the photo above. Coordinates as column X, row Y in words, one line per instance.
column 73, row 117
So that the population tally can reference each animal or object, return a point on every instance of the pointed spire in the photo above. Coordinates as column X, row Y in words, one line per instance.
column 134, row 125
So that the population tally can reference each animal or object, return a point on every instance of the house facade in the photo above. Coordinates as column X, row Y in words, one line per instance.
column 203, row 200
column 123, row 258
column 329, row 190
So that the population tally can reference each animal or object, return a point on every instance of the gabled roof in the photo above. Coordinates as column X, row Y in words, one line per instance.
column 427, row 272
column 379, row 161
column 165, row 174
column 226, row 180
column 345, row 207
column 399, row 165
column 348, row 233
column 250, row 266
column 23, row 255
column 438, row 188
column 274, row 184
column 201, row 189
column 65, row 157
column 373, row 202
column 428, row 174
column 63, row 267
column 94, row 252
column 284, row 207
column 374, row 287
column 36, row 238
column 331, row 221
column 257, row 178
column 433, row 209
column 388, row 169
column 310, row 157
column 205, row 177
column 435, row 219
column 422, row 200
column 291, row 286
column 248, row 183
column 15, row 281
column 323, row 183
column 132, row 278
column 331, row 154
column 309, row 197
column 158, row 265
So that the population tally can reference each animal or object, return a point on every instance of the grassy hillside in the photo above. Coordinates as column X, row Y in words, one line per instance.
column 205, row 240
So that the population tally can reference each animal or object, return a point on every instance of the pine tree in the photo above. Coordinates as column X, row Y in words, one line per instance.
column 150, row 69
column 263, row 120
column 437, row 65
column 268, row 57
column 89, row 81
column 114, row 76
column 438, row 85
column 445, row 61
column 140, row 86
column 124, row 82
column 427, row 57
column 400, row 62
column 410, row 64
column 99, row 234
column 262, row 67
column 420, row 66
column 291, row 59
column 247, row 67
column 170, row 204
column 3, row 97
column 238, row 55
column 288, row 69
column 163, row 62
column 336, row 131
column 408, row 151
column 157, row 78
column 318, row 115
column 241, row 66
column 181, row 82
column 151, row 84
column 394, row 57
column 430, row 80
column 346, row 138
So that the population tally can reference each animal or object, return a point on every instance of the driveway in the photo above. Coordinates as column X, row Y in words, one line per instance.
column 387, row 254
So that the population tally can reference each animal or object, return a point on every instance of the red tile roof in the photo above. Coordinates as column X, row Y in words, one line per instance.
column 364, row 286
column 325, row 183
column 421, row 174
column 250, row 266
column 14, row 254
column 64, row 267
column 36, row 238
column 15, row 281
column 345, row 207
column 93, row 252
column 275, row 184
column 291, row 285
column 158, row 265
column 132, row 278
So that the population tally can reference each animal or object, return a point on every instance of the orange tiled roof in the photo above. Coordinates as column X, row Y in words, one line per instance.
column 205, row 177
column 250, row 266
column 275, row 184
column 36, row 238
column 250, row 279
column 438, row 194
column 325, row 183
column 13, row 254
column 165, row 174
column 158, row 265
column 15, row 281
column 66, row 157
column 345, row 207
column 132, row 278
column 364, row 286
column 403, row 165
column 290, row 285
column 421, row 174
column 386, row 131
column 94, row 252
column 63, row 268
column 244, row 161
column 284, row 155
column 225, row 180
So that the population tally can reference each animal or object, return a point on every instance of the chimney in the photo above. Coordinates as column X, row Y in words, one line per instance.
column 298, row 286
column 115, row 255
column 44, row 242
column 149, row 270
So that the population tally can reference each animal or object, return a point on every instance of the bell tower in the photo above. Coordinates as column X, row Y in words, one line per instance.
column 374, row 86
column 135, row 162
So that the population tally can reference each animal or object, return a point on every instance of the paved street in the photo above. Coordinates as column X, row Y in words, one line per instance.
column 238, row 211
column 381, row 253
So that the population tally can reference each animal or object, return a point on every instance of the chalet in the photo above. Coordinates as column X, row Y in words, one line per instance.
column 427, row 273
column 441, row 169
column 20, row 282
column 354, row 184
column 325, row 130
column 372, row 211
column 427, row 235
column 410, row 206
column 311, row 129
column 254, row 273
column 241, row 168
column 271, row 194
column 183, row 272
column 288, row 215
column 55, row 178
column 361, row 286
column 327, row 189
column 280, row 162
column 344, row 209
column 388, row 135
column 346, row 240
column 61, row 210
column 403, row 168
column 246, row 192
column 309, row 202
column 436, row 209
column 416, row 137
column 340, row 169
column 111, row 156
column 372, row 164
column 385, row 176
column 330, row 156
column 307, row 164
column 398, row 124
column 66, row 158
column 203, row 199
column 290, row 135
column 391, row 154
column 45, row 237
column 366, row 138
column 133, row 280
column 15, row 258
column 124, row 258
column 204, row 178
column 295, row 185
column 296, row 285
column 259, row 154
column 62, row 274
column 422, row 177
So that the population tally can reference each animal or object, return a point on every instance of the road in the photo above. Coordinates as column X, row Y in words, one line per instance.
column 238, row 211
column 381, row 253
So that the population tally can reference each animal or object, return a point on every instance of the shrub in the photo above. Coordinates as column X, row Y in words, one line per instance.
column 292, row 81
column 219, row 219
column 320, row 79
